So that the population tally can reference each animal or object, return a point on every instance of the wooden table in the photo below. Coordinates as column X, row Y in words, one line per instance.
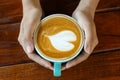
column 103, row 64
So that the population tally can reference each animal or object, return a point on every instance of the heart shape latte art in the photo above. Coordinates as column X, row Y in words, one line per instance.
column 62, row 41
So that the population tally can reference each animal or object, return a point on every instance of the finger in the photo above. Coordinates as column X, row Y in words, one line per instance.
column 26, row 41
column 25, row 31
column 91, row 39
column 26, row 34
column 76, row 61
column 63, row 67
column 40, row 61
column 28, row 45
column 90, row 44
column 86, row 22
column 28, row 48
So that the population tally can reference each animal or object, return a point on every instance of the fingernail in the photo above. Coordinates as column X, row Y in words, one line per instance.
column 29, row 49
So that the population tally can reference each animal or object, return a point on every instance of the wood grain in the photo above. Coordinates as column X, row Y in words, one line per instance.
column 10, row 11
column 10, row 50
column 108, row 29
column 105, row 66
column 104, row 4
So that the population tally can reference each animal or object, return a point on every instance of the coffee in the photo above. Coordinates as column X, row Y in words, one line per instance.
column 59, row 37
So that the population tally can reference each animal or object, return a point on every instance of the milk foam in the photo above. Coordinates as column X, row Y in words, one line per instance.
column 62, row 40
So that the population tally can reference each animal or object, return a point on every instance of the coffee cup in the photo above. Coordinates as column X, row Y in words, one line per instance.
column 58, row 39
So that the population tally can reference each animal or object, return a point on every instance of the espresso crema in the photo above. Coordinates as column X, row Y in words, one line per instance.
column 59, row 37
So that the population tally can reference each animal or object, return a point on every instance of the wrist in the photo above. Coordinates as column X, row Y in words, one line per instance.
column 32, row 12
column 31, row 6
column 86, row 12
column 87, row 6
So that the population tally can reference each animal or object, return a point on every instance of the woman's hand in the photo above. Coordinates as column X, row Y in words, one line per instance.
column 86, row 22
column 31, row 18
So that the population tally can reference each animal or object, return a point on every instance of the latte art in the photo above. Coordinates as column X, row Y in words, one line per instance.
column 58, row 38
column 62, row 41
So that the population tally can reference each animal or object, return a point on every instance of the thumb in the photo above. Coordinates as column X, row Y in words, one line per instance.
column 88, row 46
column 28, row 46
column 87, row 24
column 91, row 39
column 27, row 41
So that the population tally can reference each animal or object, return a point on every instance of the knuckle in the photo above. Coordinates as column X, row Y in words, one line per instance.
column 22, row 40
column 19, row 40
column 22, row 23
column 96, row 41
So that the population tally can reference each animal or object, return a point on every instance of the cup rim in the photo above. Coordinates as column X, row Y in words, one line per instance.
column 52, row 59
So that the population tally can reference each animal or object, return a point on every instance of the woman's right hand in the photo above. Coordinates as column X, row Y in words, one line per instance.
column 29, row 21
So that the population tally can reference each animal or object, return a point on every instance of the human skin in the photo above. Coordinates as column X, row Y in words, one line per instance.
column 84, row 15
